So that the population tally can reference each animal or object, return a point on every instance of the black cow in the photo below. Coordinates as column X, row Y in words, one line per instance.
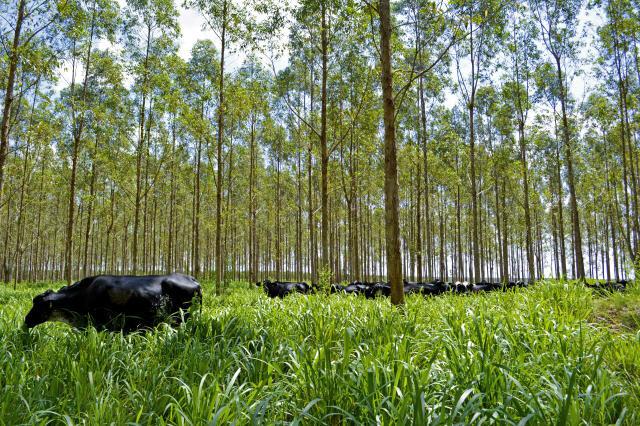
column 433, row 288
column 460, row 287
column 356, row 288
column 378, row 289
column 336, row 288
column 117, row 303
column 282, row 288
column 620, row 285
column 485, row 286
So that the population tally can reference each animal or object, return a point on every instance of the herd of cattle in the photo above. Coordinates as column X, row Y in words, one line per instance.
column 371, row 290
column 128, row 303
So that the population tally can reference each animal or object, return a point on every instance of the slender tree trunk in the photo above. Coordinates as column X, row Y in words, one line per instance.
column 172, row 199
column 139, row 155
column 92, row 193
column 505, row 234
column 391, row 203
column 278, row 225
column 575, row 219
column 418, row 223
column 195, row 261
column 77, row 138
column 554, row 228
column 253, row 264
column 298, row 267
column 472, row 162
column 527, row 210
column 220, row 162
column 324, row 151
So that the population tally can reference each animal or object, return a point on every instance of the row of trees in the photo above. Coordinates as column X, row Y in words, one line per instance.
column 420, row 139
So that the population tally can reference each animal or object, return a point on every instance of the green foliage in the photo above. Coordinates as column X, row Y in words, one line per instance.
column 536, row 355
column 324, row 280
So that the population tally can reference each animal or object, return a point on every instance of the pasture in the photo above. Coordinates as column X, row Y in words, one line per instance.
column 554, row 353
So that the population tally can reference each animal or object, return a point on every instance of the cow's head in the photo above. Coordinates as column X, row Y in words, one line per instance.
column 41, row 310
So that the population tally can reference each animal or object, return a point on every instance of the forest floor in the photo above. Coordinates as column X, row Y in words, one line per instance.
column 553, row 353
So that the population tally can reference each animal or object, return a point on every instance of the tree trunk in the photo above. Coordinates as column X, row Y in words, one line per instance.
column 392, row 228
column 253, row 264
column 92, row 192
column 195, row 260
column 220, row 162
column 324, row 152
column 527, row 211
column 575, row 219
column 77, row 137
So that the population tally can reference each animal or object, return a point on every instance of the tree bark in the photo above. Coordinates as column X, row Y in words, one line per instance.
column 324, row 151
column 391, row 203
column 77, row 137
column 220, row 162
column 575, row 219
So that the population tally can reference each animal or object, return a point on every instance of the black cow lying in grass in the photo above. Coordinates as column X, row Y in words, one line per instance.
column 356, row 287
column 433, row 288
column 282, row 288
column 117, row 303
column 609, row 286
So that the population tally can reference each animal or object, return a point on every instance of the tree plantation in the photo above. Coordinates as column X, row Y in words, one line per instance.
column 326, row 140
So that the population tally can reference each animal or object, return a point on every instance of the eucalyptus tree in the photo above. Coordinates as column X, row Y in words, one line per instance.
column 391, row 201
column 558, row 24
column 295, row 86
column 200, row 90
column 229, row 21
column 523, row 57
column 149, row 30
column 356, row 95
column 107, row 125
column 600, row 117
column 618, row 39
column 428, row 36
column 84, row 24
column 255, row 83
column 178, row 110
column 494, row 126
column 27, row 116
column 547, row 89
column 484, row 21
column 21, row 31
column 318, row 23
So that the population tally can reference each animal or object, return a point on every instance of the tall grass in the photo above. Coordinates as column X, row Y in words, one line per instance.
column 532, row 356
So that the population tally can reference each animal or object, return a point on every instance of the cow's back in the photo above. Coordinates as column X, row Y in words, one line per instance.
column 144, row 297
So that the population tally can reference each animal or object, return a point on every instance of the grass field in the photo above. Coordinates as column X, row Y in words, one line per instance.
column 551, row 354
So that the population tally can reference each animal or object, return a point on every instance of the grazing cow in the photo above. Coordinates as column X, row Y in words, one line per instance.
column 441, row 286
column 282, row 288
column 356, row 288
column 460, row 287
column 378, row 289
column 427, row 289
column 620, row 285
column 336, row 288
column 117, row 303
column 485, row 286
